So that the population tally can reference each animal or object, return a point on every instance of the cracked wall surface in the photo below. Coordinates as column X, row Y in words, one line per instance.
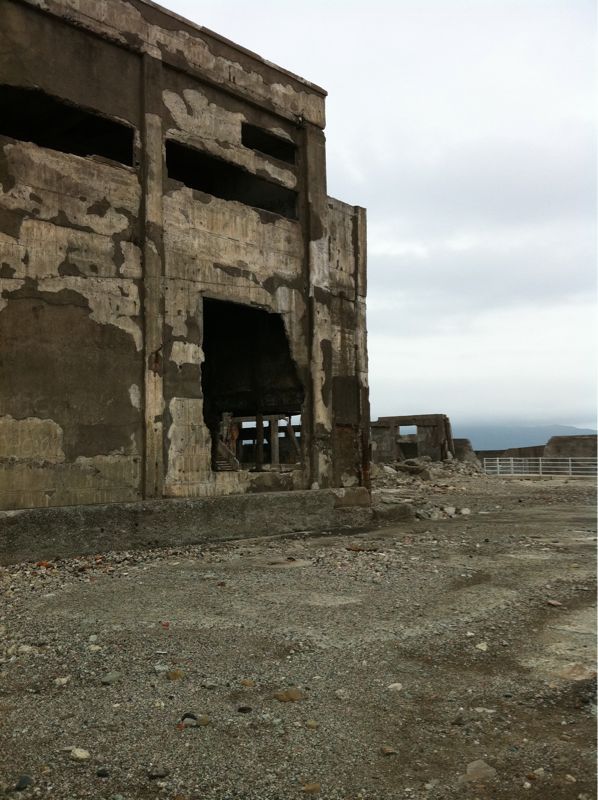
column 104, row 266
column 433, row 438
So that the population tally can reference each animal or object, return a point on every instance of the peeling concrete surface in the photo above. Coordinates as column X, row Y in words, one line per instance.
column 104, row 266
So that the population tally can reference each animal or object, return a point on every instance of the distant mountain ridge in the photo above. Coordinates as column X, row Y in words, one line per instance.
column 501, row 437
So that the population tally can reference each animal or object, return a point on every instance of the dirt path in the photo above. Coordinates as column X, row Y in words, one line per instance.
column 486, row 620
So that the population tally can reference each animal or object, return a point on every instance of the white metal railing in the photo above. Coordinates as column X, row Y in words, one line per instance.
column 540, row 466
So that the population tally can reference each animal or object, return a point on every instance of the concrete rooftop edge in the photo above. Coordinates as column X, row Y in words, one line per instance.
column 223, row 39
column 146, row 28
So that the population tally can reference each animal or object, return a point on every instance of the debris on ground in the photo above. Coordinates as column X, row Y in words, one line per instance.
column 428, row 659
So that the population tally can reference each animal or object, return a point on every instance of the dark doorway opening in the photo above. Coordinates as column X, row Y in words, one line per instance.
column 31, row 115
column 250, row 385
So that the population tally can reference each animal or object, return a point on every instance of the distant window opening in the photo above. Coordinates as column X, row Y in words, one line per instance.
column 408, row 430
column 203, row 172
column 407, row 445
column 268, row 143
column 31, row 115
column 251, row 388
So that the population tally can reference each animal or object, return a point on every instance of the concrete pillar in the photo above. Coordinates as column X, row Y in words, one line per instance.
column 153, row 260
column 273, row 438
column 319, row 443
column 361, row 352
column 259, row 441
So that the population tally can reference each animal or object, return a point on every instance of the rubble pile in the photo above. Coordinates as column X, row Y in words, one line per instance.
column 401, row 490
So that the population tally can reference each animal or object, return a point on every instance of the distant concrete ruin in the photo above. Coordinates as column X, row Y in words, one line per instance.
column 580, row 446
column 182, row 306
column 433, row 438
column 464, row 452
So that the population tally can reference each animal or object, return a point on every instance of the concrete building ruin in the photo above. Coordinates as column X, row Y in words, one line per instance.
column 432, row 437
column 182, row 307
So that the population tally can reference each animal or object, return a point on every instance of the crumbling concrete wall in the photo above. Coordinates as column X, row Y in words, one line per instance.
column 433, row 438
column 104, row 266
column 465, row 452
column 348, row 358
column 583, row 446
column 71, row 422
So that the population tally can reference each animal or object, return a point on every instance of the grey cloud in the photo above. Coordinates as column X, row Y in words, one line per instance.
column 490, row 278
column 482, row 183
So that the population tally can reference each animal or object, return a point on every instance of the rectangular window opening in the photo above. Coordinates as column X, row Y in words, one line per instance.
column 211, row 175
column 268, row 143
column 408, row 430
column 31, row 115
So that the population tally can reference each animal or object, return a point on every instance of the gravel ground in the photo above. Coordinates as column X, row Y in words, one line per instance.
column 438, row 658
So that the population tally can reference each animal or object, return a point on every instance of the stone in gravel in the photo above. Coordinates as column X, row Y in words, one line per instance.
column 481, row 646
column 465, row 512
column 388, row 751
column 103, row 772
column 450, row 510
column 160, row 668
column 395, row 687
column 93, row 638
column 209, row 685
column 192, row 721
column 478, row 771
column 248, row 683
column 311, row 788
column 288, row 695
column 24, row 649
column 244, row 709
column 157, row 772
column 554, row 603
column 342, row 694
column 109, row 678
column 94, row 648
column 62, row 681
column 23, row 783
column 577, row 672
column 355, row 547
column 79, row 754
column 174, row 674
column 312, row 724
column 188, row 722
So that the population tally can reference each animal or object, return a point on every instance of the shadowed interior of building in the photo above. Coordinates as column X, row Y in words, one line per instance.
column 248, row 374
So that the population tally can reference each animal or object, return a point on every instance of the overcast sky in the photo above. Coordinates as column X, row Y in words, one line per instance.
column 467, row 130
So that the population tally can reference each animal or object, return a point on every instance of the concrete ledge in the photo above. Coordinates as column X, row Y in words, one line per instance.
column 47, row 533
column 353, row 497
column 395, row 512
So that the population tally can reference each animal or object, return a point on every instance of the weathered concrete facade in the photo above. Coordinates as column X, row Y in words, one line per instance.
column 433, row 438
column 169, row 259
